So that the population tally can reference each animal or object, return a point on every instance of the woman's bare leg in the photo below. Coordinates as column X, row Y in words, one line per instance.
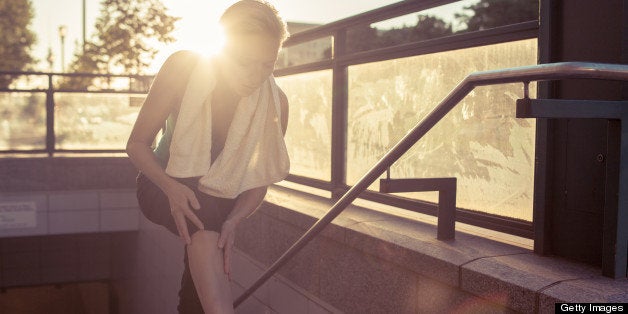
column 206, row 267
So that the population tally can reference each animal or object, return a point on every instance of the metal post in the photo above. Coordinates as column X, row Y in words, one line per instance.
column 447, row 210
column 340, row 86
column 50, row 118
column 615, row 232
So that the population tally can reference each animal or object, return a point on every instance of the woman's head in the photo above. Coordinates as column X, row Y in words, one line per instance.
column 253, row 17
column 254, row 32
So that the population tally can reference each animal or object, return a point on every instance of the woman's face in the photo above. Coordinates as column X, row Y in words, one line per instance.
column 248, row 60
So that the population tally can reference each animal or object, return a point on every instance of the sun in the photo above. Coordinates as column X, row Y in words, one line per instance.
column 198, row 29
column 208, row 41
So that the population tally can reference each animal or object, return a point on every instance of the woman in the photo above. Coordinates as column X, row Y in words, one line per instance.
column 222, row 146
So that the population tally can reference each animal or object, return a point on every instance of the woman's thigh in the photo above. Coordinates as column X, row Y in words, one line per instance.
column 156, row 208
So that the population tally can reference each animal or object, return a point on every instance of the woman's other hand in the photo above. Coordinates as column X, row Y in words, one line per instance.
column 225, row 242
column 182, row 200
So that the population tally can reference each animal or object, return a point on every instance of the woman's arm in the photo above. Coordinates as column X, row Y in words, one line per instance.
column 164, row 98
column 160, row 102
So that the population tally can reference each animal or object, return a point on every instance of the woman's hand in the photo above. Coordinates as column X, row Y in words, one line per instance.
column 182, row 199
column 225, row 242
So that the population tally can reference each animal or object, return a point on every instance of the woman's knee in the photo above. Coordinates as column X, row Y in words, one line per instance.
column 204, row 237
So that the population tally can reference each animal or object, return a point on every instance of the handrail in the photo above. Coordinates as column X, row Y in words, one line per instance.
column 526, row 74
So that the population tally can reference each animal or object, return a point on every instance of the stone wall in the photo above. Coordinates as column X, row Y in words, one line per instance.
column 370, row 261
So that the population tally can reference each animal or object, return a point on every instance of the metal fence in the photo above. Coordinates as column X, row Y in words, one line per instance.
column 337, row 60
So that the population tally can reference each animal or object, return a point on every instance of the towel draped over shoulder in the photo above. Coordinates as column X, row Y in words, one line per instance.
column 254, row 153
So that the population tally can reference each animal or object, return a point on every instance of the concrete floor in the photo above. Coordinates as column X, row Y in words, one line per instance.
column 74, row 298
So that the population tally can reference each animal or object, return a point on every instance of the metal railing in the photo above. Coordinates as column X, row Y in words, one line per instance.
column 342, row 57
column 138, row 85
column 339, row 61
column 544, row 72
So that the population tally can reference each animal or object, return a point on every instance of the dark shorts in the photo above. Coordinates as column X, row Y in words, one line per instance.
column 156, row 208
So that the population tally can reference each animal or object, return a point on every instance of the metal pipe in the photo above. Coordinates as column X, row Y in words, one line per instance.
column 542, row 72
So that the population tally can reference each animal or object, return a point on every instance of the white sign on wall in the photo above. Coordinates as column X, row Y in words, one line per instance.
column 18, row 215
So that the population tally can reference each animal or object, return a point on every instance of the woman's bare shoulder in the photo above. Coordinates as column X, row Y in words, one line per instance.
column 179, row 63
column 172, row 77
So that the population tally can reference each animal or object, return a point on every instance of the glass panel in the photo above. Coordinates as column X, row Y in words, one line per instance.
column 307, row 52
column 442, row 21
column 22, row 121
column 479, row 141
column 94, row 121
column 309, row 127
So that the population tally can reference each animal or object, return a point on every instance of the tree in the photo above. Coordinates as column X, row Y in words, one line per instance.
column 493, row 13
column 16, row 37
column 126, row 31
column 365, row 37
column 429, row 27
column 361, row 37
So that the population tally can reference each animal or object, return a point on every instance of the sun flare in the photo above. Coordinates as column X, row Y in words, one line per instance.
column 199, row 27
column 208, row 41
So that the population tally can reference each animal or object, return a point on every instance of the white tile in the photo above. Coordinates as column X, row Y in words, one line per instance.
column 73, row 222
column 119, row 220
column 118, row 199
column 41, row 200
column 40, row 228
column 66, row 201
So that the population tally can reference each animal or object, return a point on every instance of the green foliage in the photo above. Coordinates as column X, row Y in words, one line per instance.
column 16, row 37
column 126, row 32
column 493, row 13
column 482, row 15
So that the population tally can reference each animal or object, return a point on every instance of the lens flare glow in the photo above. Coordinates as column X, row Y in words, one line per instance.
column 207, row 42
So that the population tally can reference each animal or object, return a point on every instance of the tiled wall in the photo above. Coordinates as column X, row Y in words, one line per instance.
column 71, row 240
column 71, row 212
column 88, row 227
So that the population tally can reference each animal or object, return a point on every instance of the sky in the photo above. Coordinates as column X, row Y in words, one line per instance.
column 194, row 31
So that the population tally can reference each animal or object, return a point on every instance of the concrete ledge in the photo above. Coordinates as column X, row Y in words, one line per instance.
column 368, row 261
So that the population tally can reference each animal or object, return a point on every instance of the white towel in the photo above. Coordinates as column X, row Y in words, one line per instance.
column 254, row 154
